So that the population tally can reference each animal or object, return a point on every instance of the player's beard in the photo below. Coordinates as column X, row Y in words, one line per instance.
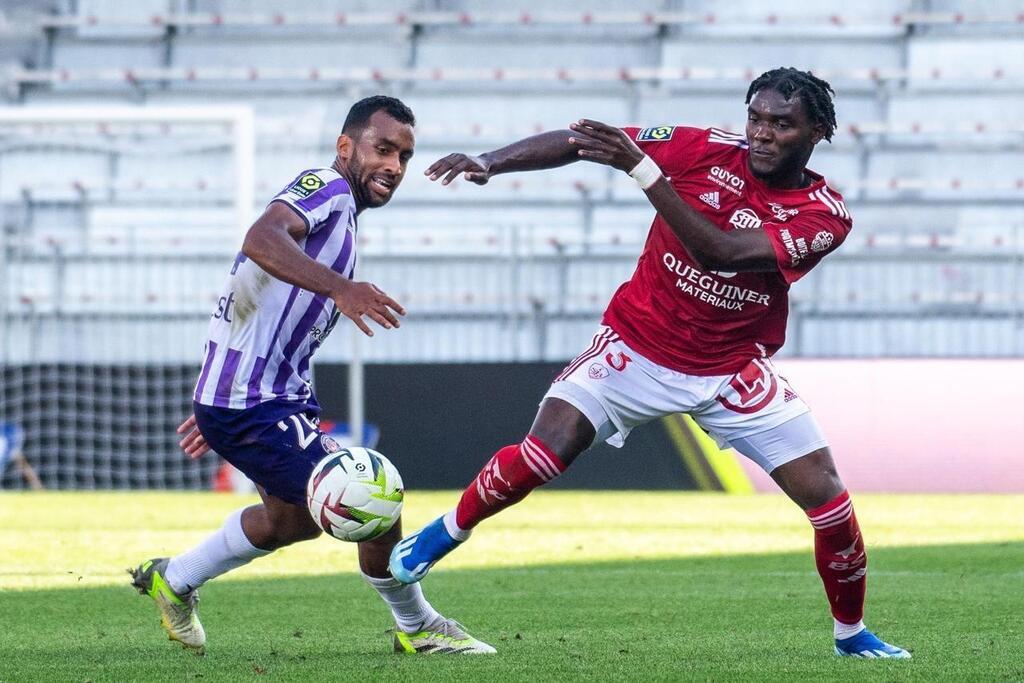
column 365, row 197
column 353, row 173
column 787, row 164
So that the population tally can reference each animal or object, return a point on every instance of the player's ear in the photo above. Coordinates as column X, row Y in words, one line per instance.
column 817, row 133
column 345, row 147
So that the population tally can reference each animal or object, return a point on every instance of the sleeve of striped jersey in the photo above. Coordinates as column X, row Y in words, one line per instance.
column 802, row 242
column 314, row 195
column 673, row 148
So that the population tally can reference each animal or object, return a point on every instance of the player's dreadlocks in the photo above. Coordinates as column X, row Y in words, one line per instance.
column 815, row 93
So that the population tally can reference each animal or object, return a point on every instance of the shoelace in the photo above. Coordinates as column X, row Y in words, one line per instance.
column 451, row 629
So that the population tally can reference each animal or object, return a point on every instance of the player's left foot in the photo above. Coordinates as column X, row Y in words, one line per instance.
column 441, row 637
column 866, row 644
column 414, row 555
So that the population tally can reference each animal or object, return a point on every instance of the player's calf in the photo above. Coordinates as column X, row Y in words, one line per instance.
column 841, row 560
column 506, row 479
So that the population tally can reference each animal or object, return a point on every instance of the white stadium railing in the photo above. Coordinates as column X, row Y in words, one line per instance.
column 1009, row 76
column 834, row 20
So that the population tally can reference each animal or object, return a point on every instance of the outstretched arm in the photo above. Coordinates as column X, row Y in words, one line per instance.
column 738, row 250
column 546, row 150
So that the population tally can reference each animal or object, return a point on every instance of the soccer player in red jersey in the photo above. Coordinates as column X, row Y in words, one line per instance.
column 740, row 218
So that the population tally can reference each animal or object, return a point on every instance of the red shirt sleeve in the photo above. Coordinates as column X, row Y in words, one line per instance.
column 801, row 243
column 673, row 148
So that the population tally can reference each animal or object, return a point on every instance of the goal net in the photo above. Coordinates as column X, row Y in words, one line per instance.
column 118, row 225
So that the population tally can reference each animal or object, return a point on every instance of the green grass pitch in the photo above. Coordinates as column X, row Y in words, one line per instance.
column 568, row 586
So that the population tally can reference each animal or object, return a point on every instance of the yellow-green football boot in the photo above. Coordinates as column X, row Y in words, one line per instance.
column 178, row 613
column 442, row 637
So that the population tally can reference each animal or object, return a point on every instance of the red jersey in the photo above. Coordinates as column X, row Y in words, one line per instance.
column 709, row 322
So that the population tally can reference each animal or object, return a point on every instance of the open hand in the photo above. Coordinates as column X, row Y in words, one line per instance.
column 365, row 298
column 474, row 169
column 193, row 443
column 604, row 144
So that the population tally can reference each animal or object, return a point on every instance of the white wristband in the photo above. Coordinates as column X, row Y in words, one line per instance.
column 646, row 173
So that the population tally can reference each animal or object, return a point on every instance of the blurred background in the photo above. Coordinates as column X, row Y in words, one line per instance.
column 139, row 140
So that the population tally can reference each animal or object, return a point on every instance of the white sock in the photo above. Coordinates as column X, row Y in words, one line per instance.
column 843, row 631
column 226, row 549
column 453, row 529
column 410, row 609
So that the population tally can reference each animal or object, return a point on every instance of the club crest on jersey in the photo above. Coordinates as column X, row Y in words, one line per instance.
column 306, row 185
column 781, row 213
column 655, row 134
column 822, row 241
column 744, row 219
column 597, row 371
column 329, row 444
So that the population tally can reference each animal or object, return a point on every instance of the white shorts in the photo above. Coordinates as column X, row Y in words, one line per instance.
column 755, row 411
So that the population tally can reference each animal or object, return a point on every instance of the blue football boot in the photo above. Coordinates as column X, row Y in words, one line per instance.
column 414, row 555
column 866, row 644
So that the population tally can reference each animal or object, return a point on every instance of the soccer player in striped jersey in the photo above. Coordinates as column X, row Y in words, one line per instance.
column 287, row 289
column 740, row 218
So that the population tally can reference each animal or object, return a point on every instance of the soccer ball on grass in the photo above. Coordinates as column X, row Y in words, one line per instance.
column 355, row 494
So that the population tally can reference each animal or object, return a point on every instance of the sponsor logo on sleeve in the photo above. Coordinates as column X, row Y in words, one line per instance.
column 822, row 241
column 306, row 185
column 744, row 219
column 787, row 242
column 655, row 134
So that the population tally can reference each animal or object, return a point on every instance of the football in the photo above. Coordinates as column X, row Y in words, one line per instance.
column 355, row 494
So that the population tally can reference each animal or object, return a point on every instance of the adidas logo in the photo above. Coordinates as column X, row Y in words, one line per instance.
column 788, row 396
column 711, row 199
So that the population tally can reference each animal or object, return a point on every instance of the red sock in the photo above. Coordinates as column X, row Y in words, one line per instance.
column 839, row 554
column 506, row 479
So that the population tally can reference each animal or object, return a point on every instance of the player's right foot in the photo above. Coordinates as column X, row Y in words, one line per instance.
column 866, row 644
column 414, row 555
column 178, row 613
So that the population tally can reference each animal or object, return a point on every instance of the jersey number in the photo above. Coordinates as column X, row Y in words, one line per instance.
column 305, row 431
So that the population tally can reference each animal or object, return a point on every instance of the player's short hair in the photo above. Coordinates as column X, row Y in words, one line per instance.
column 815, row 93
column 362, row 110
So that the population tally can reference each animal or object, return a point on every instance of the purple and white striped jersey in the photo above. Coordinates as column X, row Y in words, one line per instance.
column 264, row 331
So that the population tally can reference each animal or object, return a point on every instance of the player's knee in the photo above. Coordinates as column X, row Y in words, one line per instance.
column 563, row 429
